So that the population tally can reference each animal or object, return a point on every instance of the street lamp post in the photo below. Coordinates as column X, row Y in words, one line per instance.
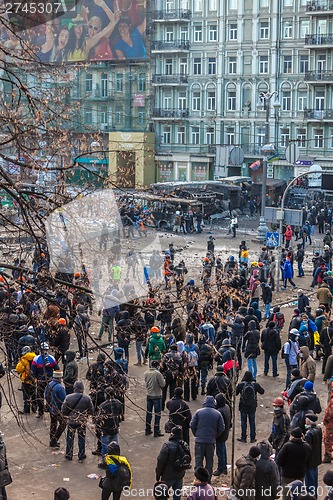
column 267, row 149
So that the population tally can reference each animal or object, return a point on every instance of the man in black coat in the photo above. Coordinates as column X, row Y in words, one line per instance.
column 314, row 437
column 271, row 345
column 294, row 459
column 221, row 449
column 172, row 367
column 180, row 413
column 248, row 389
column 219, row 383
column 166, row 467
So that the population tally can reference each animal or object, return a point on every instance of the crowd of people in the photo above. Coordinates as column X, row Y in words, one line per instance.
column 221, row 317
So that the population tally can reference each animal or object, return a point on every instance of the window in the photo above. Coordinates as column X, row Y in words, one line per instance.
column 302, row 100
column 169, row 35
column 261, row 137
column 287, row 64
column 233, row 4
column 142, row 82
column 284, row 136
column 320, row 100
column 264, row 30
column 304, row 28
column 287, row 3
column 287, row 29
column 195, row 135
column 263, row 65
column 141, row 117
column 210, row 135
column 322, row 27
column 166, row 137
column 232, row 65
column 286, row 100
column 169, row 4
column 197, row 5
column 181, row 135
column 168, row 67
column 184, row 33
column 183, row 66
column 232, row 31
column 301, row 137
column 263, row 4
column 196, row 100
column 104, row 85
column 231, row 100
column 119, row 114
column 119, row 82
column 198, row 33
column 197, row 66
column 167, row 100
column 212, row 65
column 103, row 116
column 318, row 138
column 321, row 63
column 331, row 138
column 182, row 100
column 88, row 116
column 212, row 33
column 230, row 136
column 211, row 100
column 303, row 63
column 212, row 5
column 88, row 82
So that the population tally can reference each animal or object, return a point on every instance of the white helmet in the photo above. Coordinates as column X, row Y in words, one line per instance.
column 294, row 331
column 45, row 346
column 25, row 350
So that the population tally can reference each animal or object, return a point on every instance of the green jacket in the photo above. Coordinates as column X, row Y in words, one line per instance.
column 156, row 347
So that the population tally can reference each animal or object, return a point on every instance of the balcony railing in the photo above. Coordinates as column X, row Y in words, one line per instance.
column 167, row 15
column 318, row 39
column 172, row 79
column 170, row 113
column 170, row 45
column 317, row 76
column 318, row 114
column 321, row 6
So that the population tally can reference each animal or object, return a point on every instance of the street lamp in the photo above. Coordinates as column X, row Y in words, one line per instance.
column 267, row 149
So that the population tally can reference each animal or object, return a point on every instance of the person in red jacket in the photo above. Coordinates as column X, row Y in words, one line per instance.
column 288, row 234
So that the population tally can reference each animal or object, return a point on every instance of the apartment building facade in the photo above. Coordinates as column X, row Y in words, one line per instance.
column 211, row 60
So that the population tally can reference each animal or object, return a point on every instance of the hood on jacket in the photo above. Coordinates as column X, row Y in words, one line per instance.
column 156, row 335
column 220, row 400
column 239, row 319
column 255, row 272
column 118, row 352
column 250, row 311
column 247, row 377
column 242, row 311
column 266, row 449
column 70, row 356
column 252, row 325
column 124, row 315
column 323, row 285
column 244, row 462
column 209, row 402
column 305, row 351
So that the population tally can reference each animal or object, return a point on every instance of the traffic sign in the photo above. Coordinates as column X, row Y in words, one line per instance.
column 292, row 153
column 236, row 156
column 272, row 239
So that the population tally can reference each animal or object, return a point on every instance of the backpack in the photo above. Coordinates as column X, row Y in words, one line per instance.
column 183, row 460
column 204, row 355
column 283, row 354
column 279, row 321
column 248, row 394
column 192, row 358
column 122, row 477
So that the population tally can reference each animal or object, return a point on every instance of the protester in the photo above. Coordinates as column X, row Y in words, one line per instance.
column 245, row 474
column 155, row 383
column 118, row 473
column 267, row 477
column 202, row 488
column 55, row 396
column 248, row 389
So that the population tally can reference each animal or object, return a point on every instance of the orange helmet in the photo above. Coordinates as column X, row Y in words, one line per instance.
column 77, row 275
column 62, row 321
column 278, row 402
column 154, row 329
column 21, row 278
column 2, row 279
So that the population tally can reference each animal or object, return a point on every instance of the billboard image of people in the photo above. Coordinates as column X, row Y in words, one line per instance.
column 94, row 30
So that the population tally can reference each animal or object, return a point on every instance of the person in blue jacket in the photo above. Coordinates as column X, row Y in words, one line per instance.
column 54, row 396
column 287, row 274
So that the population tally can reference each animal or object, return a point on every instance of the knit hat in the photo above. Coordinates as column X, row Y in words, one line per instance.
column 160, row 491
column 296, row 311
column 254, row 451
column 296, row 433
column 219, row 368
column 202, row 474
column 178, row 392
column 308, row 386
column 312, row 416
column 177, row 432
column 78, row 386
column 57, row 374
column 328, row 478
column 174, row 347
column 295, row 372
column 271, row 324
column 300, row 292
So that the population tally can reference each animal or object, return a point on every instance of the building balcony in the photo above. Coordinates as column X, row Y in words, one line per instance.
column 318, row 40
column 170, row 46
column 190, row 149
column 174, row 80
column 322, row 7
column 178, row 15
column 318, row 114
column 319, row 76
column 161, row 113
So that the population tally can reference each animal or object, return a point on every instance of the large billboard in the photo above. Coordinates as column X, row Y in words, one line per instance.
column 63, row 31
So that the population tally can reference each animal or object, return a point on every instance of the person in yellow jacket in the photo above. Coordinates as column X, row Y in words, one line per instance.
column 28, row 381
column 118, row 473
